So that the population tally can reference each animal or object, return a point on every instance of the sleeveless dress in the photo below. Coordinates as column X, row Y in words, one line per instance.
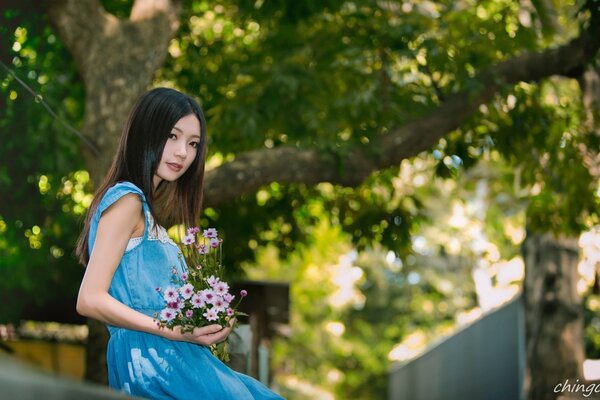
column 147, row 365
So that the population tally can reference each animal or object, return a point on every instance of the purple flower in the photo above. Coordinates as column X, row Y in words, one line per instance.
column 243, row 293
column 193, row 230
column 210, row 233
column 175, row 305
column 230, row 312
column 189, row 313
column 202, row 249
column 184, row 276
column 214, row 242
column 211, row 315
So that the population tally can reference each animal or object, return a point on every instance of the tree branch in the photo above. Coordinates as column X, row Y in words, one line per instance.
column 90, row 33
column 286, row 164
column 148, row 9
column 78, row 23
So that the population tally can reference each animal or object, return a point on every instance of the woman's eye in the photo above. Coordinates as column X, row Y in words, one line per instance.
column 172, row 136
column 194, row 144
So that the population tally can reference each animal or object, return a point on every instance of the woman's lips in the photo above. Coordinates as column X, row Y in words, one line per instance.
column 175, row 167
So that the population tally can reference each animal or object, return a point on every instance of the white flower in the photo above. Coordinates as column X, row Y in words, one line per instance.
column 197, row 301
column 221, row 288
column 188, row 239
column 212, row 281
column 170, row 294
column 219, row 305
column 228, row 297
column 208, row 296
column 186, row 290
column 210, row 233
column 167, row 314
column 211, row 315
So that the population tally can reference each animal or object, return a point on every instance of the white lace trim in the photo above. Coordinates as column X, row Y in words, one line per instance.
column 134, row 242
column 157, row 232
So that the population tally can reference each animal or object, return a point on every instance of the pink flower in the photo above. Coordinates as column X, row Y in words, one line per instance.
column 167, row 314
column 202, row 249
column 243, row 293
column 219, row 305
column 189, row 313
column 221, row 288
column 184, row 276
column 188, row 239
column 214, row 242
column 211, row 315
column 230, row 312
column 170, row 294
column 193, row 230
column 212, row 281
column 228, row 297
column 197, row 301
column 210, row 233
column 186, row 290
column 208, row 296
column 175, row 305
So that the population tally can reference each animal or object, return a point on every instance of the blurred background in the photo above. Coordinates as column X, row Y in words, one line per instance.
column 411, row 186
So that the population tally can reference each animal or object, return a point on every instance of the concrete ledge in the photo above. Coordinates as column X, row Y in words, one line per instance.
column 20, row 381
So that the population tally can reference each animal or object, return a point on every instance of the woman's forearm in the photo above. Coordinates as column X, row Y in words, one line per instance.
column 105, row 308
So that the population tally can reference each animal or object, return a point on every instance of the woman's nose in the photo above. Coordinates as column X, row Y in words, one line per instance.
column 181, row 150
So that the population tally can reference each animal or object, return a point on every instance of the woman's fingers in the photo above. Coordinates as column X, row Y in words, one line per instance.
column 220, row 336
column 208, row 335
column 215, row 337
column 207, row 330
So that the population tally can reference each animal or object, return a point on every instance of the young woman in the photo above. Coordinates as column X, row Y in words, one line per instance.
column 156, row 178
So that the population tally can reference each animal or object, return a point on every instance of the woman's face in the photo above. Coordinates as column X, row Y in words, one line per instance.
column 180, row 150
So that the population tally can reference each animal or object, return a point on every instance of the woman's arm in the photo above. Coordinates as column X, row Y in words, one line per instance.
column 115, row 227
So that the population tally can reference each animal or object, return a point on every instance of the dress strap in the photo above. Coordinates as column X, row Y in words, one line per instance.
column 116, row 192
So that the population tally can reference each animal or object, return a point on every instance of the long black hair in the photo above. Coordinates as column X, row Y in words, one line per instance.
column 139, row 153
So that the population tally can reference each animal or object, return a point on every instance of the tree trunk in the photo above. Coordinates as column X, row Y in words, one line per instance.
column 553, row 314
column 117, row 59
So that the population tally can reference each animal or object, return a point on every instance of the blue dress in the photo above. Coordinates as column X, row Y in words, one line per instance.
column 147, row 365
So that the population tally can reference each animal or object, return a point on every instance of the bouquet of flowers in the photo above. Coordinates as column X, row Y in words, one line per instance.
column 200, row 297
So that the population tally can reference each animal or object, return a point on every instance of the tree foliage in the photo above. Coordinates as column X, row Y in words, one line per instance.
column 42, row 188
column 335, row 77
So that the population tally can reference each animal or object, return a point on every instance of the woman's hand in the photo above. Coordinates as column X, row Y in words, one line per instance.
column 206, row 335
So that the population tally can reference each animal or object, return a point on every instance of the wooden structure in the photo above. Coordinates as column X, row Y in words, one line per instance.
column 267, row 306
